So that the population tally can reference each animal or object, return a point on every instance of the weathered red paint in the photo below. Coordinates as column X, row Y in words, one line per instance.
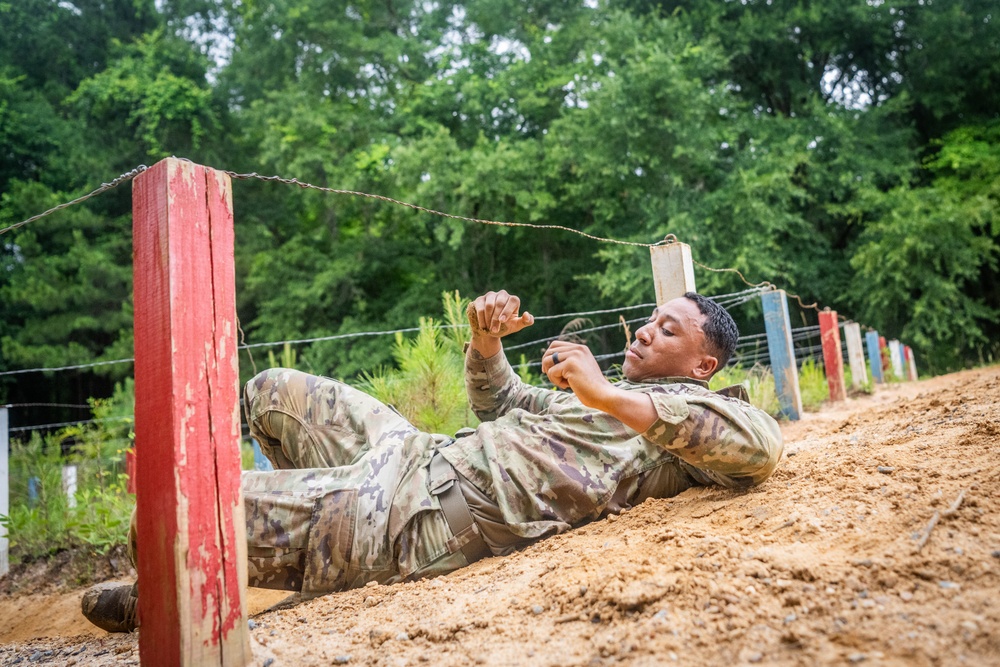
column 191, row 531
column 833, row 356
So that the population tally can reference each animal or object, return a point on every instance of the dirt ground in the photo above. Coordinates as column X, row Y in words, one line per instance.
column 877, row 541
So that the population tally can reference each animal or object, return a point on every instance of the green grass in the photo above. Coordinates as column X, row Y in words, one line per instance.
column 812, row 385
column 757, row 380
column 100, row 517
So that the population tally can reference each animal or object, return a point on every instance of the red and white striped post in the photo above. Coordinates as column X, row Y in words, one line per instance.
column 191, row 530
column 911, row 364
column 833, row 357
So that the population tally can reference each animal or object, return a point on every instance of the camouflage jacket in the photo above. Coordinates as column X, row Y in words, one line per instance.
column 552, row 463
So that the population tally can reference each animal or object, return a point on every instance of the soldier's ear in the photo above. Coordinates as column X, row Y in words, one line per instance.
column 706, row 368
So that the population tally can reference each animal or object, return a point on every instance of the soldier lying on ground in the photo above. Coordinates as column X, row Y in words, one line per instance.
column 360, row 495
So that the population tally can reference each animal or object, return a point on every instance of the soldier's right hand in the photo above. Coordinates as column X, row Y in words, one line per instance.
column 497, row 314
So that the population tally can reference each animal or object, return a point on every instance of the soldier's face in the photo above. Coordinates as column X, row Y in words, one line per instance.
column 670, row 344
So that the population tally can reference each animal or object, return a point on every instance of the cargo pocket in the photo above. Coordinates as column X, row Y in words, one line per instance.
column 277, row 536
column 331, row 539
column 424, row 547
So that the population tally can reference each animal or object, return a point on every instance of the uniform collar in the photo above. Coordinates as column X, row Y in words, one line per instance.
column 671, row 380
column 732, row 391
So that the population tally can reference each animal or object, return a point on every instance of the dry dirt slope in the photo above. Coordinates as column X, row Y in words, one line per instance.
column 830, row 562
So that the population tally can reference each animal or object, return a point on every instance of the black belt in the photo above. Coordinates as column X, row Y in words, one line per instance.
column 466, row 536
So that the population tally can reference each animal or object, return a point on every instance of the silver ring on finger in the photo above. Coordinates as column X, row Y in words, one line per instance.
column 555, row 358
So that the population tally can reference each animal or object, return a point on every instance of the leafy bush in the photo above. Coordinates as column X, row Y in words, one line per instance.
column 43, row 519
column 428, row 387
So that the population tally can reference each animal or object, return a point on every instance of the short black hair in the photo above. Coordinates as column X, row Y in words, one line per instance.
column 720, row 330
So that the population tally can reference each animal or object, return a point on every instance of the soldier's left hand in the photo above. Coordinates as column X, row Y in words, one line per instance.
column 573, row 366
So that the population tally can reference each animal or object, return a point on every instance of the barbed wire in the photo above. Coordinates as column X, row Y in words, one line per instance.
column 46, row 405
column 765, row 285
column 68, row 368
column 598, row 357
column 669, row 238
column 549, row 339
column 79, row 422
column 595, row 312
column 317, row 339
column 104, row 187
column 424, row 209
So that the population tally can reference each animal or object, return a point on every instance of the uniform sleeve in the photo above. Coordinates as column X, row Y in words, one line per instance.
column 725, row 440
column 494, row 388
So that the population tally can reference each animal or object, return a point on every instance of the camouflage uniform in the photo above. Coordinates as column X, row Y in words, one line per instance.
column 353, row 500
column 551, row 463
column 330, row 517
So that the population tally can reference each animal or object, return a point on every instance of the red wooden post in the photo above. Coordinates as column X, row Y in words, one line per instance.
column 911, row 365
column 883, row 352
column 191, row 530
column 833, row 357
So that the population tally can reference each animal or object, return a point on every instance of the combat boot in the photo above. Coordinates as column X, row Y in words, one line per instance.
column 112, row 606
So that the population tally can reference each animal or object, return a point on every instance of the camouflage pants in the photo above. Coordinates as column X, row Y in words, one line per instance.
column 351, row 499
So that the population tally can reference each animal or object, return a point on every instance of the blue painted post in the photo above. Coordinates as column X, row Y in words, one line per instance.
column 34, row 484
column 779, row 345
column 875, row 356
column 260, row 462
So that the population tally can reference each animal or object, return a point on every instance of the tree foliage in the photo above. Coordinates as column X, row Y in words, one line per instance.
column 846, row 151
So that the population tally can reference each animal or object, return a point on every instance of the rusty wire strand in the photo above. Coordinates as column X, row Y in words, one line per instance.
column 766, row 285
column 104, row 187
column 668, row 239
column 423, row 209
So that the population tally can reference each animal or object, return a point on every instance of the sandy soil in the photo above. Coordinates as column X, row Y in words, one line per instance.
column 876, row 542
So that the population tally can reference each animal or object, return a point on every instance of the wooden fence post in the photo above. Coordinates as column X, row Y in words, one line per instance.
column 875, row 356
column 883, row 349
column 69, row 485
column 911, row 364
column 4, row 489
column 191, row 528
column 833, row 357
column 673, row 271
column 855, row 355
column 779, row 345
column 260, row 462
column 896, row 357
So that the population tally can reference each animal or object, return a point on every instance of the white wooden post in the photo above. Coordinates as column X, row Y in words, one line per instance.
column 855, row 355
column 896, row 355
column 69, row 485
column 673, row 271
